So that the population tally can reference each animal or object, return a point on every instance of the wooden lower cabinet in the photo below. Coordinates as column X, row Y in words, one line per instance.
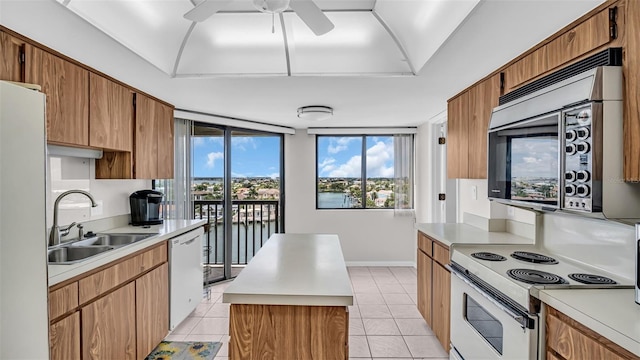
column 567, row 339
column 288, row 332
column 424, row 288
column 109, row 326
column 441, row 304
column 64, row 337
column 434, row 287
column 152, row 299
column 119, row 311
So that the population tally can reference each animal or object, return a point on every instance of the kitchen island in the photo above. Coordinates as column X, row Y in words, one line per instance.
column 291, row 301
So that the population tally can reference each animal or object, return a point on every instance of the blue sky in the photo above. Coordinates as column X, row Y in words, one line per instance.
column 251, row 156
column 342, row 156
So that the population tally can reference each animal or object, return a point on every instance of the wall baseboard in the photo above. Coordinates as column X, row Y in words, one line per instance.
column 381, row 263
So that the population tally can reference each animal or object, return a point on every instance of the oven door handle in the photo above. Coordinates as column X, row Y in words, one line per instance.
column 521, row 319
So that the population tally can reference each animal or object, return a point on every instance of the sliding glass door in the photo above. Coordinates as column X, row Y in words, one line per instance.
column 236, row 186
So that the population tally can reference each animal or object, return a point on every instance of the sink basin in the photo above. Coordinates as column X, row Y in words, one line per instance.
column 73, row 254
column 113, row 239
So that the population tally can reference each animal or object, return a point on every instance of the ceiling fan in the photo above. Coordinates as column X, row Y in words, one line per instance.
column 307, row 10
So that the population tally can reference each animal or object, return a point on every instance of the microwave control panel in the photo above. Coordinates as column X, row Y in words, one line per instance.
column 578, row 160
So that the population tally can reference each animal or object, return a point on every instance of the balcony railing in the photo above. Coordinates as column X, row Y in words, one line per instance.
column 253, row 222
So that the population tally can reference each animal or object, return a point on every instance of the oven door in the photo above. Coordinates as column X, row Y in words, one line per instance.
column 483, row 327
column 524, row 162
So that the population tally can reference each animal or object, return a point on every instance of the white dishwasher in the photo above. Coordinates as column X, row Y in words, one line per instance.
column 185, row 275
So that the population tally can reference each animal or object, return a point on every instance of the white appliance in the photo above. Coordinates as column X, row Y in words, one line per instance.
column 495, row 312
column 23, row 237
column 185, row 275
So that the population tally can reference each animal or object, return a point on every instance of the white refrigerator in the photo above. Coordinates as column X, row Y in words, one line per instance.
column 24, row 324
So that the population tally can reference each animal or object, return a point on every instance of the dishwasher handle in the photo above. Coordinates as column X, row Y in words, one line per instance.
column 189, row 241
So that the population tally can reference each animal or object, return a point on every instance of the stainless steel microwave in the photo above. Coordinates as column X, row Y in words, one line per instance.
column 561, row 148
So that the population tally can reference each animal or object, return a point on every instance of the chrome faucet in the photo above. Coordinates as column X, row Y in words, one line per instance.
column 56, row 232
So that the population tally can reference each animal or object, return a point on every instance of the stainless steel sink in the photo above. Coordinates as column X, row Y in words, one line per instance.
column 74, row 254
column 112, row 239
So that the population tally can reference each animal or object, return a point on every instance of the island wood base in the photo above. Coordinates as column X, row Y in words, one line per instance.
column 288, row 332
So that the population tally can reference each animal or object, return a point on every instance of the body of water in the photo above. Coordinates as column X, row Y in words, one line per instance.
column 334, row 200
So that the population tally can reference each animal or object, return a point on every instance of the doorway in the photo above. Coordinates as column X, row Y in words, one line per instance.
column 236, row 186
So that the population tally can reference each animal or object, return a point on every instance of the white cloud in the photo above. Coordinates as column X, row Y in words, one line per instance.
column 242, row 142
column 379, row 157
column 327, row 161
column 274, row 175
column 197, row 141
column 212, row 157
column 341, row 144
column 349, row 169
column 534, row 158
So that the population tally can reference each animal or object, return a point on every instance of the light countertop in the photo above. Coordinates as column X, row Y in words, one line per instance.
column 294, row 269
column 450, row 234
column 167, row 230
column 611, row 313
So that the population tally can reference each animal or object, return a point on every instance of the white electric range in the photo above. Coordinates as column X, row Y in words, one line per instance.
column 495, row 312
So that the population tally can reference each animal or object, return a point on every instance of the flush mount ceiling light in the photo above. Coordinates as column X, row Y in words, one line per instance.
column 315, row 112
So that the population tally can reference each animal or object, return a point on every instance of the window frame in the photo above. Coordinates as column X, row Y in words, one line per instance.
column 363, row 169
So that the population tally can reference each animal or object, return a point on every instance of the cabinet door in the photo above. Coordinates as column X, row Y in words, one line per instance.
column 482, row 99
column 67, row 88
column 631, row 68
column 165, row 142
column 424, row 286
column 152, row 309
column 441, row 304
column 110, row 114
column 109, row 326
column 146, row 149
column 64, row 338
column 457, row 137
column 11, row 52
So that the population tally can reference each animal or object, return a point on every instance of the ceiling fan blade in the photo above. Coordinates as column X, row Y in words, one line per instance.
column 205, row 9
column 311, row 15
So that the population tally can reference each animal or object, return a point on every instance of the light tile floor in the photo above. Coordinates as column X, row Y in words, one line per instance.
column 384, row 321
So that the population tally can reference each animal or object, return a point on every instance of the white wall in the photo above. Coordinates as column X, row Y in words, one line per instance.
column 66, row 173
column 368, row 237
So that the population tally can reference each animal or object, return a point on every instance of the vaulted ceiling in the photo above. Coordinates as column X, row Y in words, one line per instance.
column 386, row 62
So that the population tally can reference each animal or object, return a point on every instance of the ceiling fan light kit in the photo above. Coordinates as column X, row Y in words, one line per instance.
column 271, row 6
column 315, row 112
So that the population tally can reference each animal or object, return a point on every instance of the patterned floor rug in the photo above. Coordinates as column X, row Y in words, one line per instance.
column 185, row 350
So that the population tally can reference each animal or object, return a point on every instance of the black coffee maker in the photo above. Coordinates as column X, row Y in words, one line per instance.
column 146, row 207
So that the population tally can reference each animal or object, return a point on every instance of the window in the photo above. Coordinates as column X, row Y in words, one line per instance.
column 364, row 172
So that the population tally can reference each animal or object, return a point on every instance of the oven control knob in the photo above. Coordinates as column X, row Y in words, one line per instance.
column 571, row 149
column 570, row 175
column 583, row 133
column 570, row 190
column 583, row 175
column 571, row 135
column 583, row 190
column 583, row 147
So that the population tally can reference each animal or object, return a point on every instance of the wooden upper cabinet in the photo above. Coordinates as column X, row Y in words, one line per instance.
column 482, row 99
column 110, row 114
column 589, row 35
column 11, row 58
column 146, row 138
column 153, row 139
column 631, row 69
column 67, row 88
column 165, row 142
column 458, row 137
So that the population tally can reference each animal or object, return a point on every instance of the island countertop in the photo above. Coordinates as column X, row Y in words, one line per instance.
column 294, row 269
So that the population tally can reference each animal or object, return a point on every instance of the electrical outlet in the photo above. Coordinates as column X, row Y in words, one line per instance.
column 97, row 211
column 474, row 192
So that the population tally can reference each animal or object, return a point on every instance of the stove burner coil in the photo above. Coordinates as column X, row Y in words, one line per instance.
column 533, row 258
column 592, row 279
column 530, row 276
column 488, row 256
